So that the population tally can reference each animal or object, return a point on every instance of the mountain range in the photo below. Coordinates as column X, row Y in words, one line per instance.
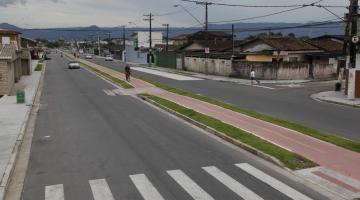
column 242, row 30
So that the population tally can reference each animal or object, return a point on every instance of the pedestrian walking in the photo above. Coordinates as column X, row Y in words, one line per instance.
column 253, row 77
column 127, row 73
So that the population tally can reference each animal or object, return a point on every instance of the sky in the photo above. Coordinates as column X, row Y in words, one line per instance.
column 112, row 13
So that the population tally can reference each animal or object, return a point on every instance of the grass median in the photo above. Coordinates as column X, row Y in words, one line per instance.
column 336, row 140
column 123, row 83
column 289, row 159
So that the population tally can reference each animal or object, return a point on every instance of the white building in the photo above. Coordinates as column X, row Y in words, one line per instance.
column 142, row 39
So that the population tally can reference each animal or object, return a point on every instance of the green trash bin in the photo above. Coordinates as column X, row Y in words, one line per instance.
column 20, row 96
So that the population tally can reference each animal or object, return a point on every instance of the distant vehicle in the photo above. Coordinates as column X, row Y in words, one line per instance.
column 88, row 56
column 74, row 65
column 109, row 58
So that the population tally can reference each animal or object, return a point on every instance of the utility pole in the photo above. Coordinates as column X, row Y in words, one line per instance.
column 124, row 45
column 98, row 45
column 150, row 19
column 353, row 43
column 353, row 15
column 233, row 40
column 167, row 37
column 109, row 34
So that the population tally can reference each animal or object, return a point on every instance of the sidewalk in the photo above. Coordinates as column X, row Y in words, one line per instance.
column 13, row 118
column 336, row 97
column 342, row 162
column 213, row 77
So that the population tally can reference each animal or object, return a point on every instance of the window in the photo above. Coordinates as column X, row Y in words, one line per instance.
column 1, row 76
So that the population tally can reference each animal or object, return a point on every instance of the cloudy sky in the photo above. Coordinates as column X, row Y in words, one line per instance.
column 68, row 13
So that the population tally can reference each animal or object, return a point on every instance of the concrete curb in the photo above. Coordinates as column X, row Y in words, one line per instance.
column 5, row 180
column 316, row 98
column 221, row 135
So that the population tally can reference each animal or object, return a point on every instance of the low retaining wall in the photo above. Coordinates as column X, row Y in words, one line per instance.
column 214, row 66
column 263, row 70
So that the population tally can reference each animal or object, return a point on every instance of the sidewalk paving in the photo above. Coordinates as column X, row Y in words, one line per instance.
column 336, row 97
column 327, row 155
column 13, row 118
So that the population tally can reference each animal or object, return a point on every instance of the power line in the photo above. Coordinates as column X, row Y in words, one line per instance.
column 268, row 6
column 266, row 15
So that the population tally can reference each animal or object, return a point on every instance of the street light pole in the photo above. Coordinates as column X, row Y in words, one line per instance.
column 124, row 45
column 150, row 19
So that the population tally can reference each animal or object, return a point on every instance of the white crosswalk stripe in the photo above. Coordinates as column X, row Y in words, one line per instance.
column 54, row 192
column 232, row 184
column 189, row 185
column 144, row 186
column 100, row 190
column 274, row 183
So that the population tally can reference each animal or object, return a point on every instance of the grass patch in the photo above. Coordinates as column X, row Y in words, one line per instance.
column 39, row 67
column 336, row 140
column 289, row 159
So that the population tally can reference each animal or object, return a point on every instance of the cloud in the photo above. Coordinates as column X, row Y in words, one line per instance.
column 5, row 3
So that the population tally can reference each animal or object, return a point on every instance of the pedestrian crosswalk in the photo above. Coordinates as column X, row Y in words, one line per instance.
column 147, row 190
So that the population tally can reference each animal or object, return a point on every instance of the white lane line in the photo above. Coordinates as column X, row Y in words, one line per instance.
column 189, row 185
column 166, row 74
column 100, row 190
column 144, row 186
column 272, row 182
column 232, row 184
column 54, row 192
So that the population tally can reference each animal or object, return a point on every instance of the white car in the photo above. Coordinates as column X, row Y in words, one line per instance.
column 88, row 56
column 109, row 58
column 74, row 65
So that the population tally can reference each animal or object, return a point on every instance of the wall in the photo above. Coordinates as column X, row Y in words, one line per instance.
column 215, row 66
column 135, row 56
column 283, row 70
column 7, row 81
column 165, row 59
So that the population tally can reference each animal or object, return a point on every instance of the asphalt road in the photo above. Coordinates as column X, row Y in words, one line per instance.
column 292, row 104
column 89, row 143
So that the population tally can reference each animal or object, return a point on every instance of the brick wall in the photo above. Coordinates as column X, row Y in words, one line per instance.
column 7, row 77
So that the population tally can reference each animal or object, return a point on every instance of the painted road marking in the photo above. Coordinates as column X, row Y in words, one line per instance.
column 272, row 182
column 232, row 184
column 166, row 74
column 144, row 186
column 109, row 92
column 265, row 87
column 101, row 190
column 189, row 185
column 54, row 192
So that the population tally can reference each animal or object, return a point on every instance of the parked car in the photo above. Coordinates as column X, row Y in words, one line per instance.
column 109, row 58
column 88, row 56
column 74, row 65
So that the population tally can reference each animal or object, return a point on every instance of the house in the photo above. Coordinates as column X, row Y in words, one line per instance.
column 272, row 49
column 15, row 61
column 180, row 40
